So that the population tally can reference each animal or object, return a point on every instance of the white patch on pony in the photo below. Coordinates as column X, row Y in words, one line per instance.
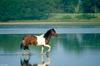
column 40, row 40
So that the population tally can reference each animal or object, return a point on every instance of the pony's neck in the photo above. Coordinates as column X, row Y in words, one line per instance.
column 47, row 35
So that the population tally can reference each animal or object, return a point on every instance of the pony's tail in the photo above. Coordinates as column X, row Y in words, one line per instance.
column 21, row 45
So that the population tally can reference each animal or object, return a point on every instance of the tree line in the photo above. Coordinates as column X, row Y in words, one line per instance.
column 41, row 9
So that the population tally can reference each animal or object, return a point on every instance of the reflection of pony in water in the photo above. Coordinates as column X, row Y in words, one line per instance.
column 45, row 60
column 42, row 40
column 25, row 63
column 25, row 59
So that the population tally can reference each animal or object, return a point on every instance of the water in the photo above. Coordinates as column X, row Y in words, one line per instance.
column 42, row 30
column 75, row 49
column 38, row 29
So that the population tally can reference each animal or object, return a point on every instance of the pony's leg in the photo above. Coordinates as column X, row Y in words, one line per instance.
column 49, row 47
column 42, row 49
column 26, row 47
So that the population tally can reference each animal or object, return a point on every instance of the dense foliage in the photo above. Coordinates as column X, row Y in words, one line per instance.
column 41, row 9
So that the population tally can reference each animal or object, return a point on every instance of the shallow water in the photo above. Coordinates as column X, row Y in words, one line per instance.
column 67, row 50
column 42, row 30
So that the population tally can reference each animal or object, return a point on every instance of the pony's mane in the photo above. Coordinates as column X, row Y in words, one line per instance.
column 46, row 35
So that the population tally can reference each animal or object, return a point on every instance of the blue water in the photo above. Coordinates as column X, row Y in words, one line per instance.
column 42, row 30
column 74, row 46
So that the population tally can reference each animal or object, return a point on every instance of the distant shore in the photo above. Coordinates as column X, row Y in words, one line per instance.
column 62, row 19
column 52, row 23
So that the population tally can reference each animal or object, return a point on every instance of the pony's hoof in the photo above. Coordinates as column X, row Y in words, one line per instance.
column 42, row 53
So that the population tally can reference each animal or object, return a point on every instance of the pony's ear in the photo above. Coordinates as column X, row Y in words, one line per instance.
column 52, row 29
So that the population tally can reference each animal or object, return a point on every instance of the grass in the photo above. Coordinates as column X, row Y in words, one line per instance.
column 62, row 19
column 73, row 17
column 67, row 17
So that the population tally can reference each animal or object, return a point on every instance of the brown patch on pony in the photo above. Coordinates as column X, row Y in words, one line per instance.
column 35, row 65
column 30, row 40
column 46, row 65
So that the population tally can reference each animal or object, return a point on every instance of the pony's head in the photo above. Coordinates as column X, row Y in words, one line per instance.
column 50, row 32
column 53, row 32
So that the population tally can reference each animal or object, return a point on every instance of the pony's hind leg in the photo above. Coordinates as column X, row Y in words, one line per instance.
column 26, row 47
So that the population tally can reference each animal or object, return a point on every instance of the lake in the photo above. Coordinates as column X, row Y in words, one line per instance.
column 72, row 47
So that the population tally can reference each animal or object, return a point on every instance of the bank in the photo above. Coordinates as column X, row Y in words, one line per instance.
column 51, row 23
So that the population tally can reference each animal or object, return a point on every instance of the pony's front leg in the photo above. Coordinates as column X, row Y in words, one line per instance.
column 42, row 49
column 49, row 47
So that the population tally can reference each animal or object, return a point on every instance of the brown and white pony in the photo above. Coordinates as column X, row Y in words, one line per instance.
column 42, row 40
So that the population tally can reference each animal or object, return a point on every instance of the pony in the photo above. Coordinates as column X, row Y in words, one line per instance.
column 42, row 40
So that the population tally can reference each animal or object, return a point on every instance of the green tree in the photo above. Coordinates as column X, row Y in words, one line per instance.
column 98, row 6
column 25, row 9
column 89, row 6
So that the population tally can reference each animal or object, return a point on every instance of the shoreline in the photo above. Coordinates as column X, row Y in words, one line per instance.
column 52, row 23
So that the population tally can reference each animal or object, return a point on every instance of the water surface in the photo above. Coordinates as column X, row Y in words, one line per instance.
column 76, row 49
